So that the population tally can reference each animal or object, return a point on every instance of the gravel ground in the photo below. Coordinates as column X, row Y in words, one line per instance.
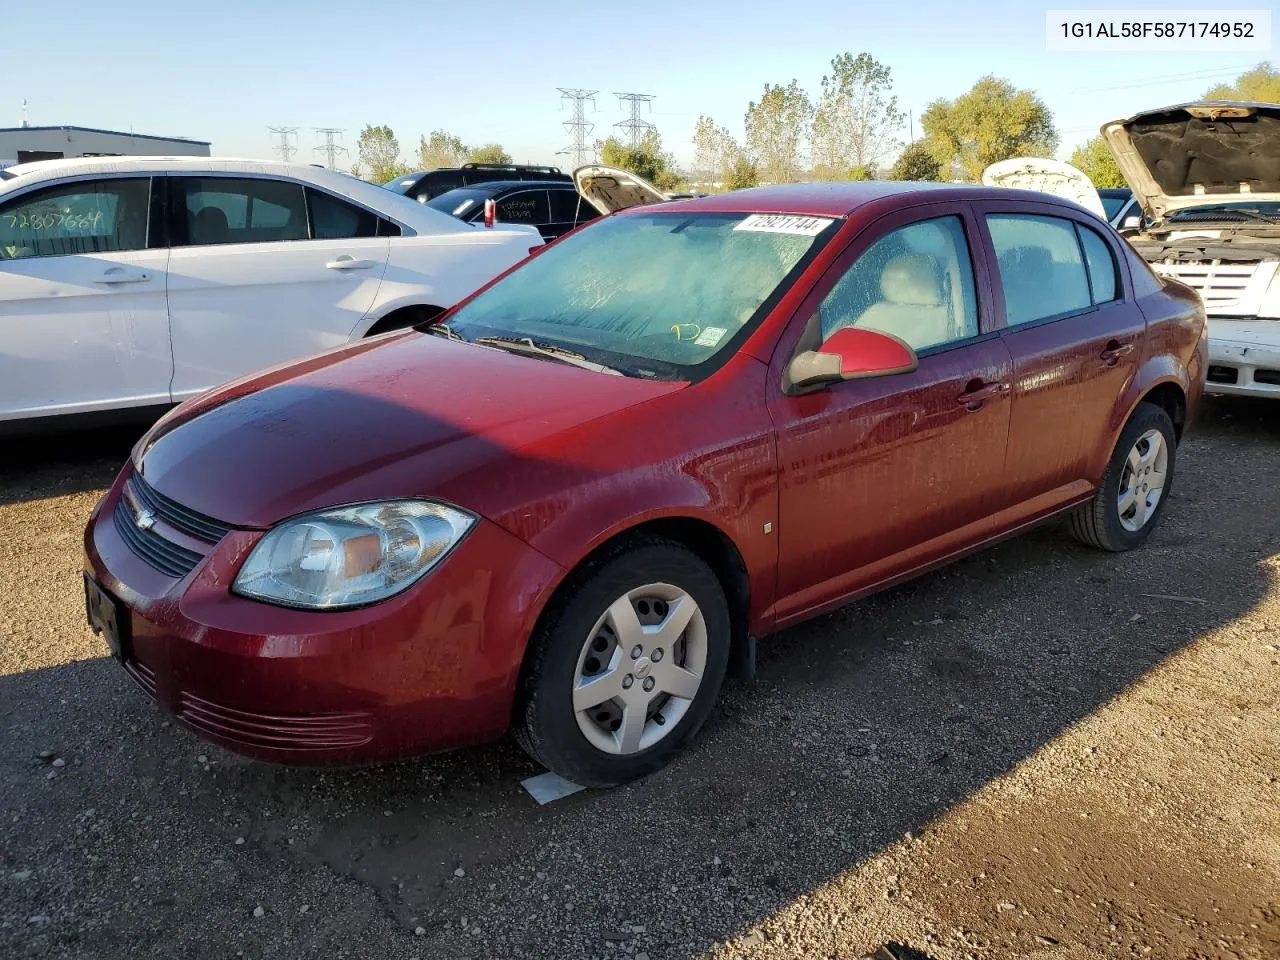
column 1042, row 751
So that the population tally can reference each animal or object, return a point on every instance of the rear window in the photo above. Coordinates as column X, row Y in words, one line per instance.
column 1113, row 205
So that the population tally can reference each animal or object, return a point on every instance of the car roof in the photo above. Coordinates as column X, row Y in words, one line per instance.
column 832, row 199
column 389, row 203
column 1114, row 192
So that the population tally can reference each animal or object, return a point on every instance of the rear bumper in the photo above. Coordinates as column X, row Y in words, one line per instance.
column 432, row 668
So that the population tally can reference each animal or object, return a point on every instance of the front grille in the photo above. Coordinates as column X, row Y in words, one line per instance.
column 1230, row 285
column 282, row 731
column 1217, row 374
column 175, row 514
column 142, row 675
column 168, row 558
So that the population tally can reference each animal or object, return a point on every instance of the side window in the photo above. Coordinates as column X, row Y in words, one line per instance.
column 1102, row 266
column 915, row 283
column 1041, row 269
column 568, row 207
column 215, row 210
column 527, row 206
column 334, row 219
column 98, row 216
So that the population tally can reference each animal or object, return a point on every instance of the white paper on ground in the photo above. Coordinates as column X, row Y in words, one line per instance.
column 546, row 787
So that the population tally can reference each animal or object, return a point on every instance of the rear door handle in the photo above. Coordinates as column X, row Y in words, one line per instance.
column 121, row 275
column 979, row 393
column 346, row 262
column 1115, row 350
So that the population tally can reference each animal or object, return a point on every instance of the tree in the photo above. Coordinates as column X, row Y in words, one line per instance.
column 1096, row 161
column 714, row 148
column 644, row 160
column 1262, row 84
column 917, row 162
column 742, row 174
column 489, row 153
column 441, row 149
column 993, row 121
column 857, row 118
column 379, row 153
column 777, row 126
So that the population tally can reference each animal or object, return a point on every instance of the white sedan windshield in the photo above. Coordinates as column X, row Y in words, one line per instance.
column 654, row 293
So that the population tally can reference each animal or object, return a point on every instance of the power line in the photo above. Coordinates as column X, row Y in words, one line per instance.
column 331, row 148
column 283, row 146
column 579, row 126
column 1212, row 74
column 636, row 127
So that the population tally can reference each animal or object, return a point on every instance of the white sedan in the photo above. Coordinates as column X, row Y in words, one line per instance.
column 142, row 281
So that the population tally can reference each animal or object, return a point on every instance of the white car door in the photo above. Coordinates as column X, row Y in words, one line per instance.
column 264, row 270
column 83, row 322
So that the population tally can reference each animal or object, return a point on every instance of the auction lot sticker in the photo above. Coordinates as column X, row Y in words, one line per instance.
column 1192, row 31
column 784, row 223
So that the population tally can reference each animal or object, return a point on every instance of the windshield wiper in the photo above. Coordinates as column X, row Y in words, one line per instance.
column 529, row 347
column 444, row 330
column 1224, row 213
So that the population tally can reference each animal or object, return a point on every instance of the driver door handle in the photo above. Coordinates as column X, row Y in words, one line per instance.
column 346, row 262
column 121, row 275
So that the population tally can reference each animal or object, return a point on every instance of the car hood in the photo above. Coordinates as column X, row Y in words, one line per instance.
column 412, row 416
column 1199, row 154
column 1046, row 176
column 610, row 189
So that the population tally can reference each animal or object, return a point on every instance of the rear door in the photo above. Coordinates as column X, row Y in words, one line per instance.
column 525, row 206
column 568, row 210
column 264, row 270
column 83, row 322
column 1075, row 336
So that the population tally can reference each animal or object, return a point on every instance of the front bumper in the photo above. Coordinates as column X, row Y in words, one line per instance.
column 429, row 669
column 1244, row 357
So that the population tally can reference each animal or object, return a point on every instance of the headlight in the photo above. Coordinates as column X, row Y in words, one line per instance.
column 1270, row 308
column 350, row 556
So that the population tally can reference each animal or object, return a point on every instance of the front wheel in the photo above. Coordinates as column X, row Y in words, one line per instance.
column 627, row 667
column 1127, row 504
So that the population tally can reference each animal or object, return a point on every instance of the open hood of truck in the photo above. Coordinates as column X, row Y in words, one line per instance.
column 610, row 189
column 1046, row 176
column 1199, row 154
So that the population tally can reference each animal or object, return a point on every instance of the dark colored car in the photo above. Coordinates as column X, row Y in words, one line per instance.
column 570, row 507
column 1121, row 205
column 425, row 184
column 552, row 206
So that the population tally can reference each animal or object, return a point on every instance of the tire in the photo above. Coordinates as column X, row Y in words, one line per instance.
column 589, row 638
column 1101, row 522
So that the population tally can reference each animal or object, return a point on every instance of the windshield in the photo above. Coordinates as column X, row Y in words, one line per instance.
column 651, row 294
column 1114, row 204
column 401, row 184
column 458, row 202
column 1243, row 210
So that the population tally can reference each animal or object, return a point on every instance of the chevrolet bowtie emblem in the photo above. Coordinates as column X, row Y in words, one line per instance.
column 145, row 520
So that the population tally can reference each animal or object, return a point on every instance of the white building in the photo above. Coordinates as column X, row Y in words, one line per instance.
column 25, row 144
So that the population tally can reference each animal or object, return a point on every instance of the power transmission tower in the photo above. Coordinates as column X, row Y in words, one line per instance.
column 283, row 146
column 636, row 127
column 579, row 126
column 331, row 148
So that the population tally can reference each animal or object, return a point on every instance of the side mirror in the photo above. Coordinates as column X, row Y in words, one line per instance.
column 1131, row 223
column 852, row 353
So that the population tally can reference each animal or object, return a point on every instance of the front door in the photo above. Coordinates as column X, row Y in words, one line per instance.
column 263, row 271
column 1075, row 339
column 83, row 322
column 878, row 476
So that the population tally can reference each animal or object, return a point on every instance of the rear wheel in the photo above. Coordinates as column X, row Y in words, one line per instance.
column 1126, row 506
column 627, row 667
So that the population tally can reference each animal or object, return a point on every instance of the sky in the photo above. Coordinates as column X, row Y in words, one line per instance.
column 227, row 71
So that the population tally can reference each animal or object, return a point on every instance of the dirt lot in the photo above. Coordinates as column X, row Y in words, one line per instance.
column 1042, row 751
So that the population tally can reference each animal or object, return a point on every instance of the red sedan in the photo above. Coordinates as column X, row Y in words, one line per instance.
column 570, row 506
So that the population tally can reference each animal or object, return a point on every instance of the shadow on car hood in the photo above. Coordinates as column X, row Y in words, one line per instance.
column 610, row 189
column 415, row 416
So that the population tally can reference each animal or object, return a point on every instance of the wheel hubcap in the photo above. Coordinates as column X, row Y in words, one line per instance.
column 1142, row 480
column 640, row 668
